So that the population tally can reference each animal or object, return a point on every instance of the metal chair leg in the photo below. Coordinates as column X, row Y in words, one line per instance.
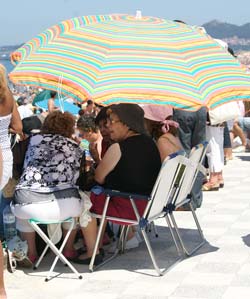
column 57, row 252
column 203, row 241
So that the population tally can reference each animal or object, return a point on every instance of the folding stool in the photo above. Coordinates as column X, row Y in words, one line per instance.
column 49, row 244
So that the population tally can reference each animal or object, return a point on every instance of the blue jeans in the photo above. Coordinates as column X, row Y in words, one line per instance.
column 244, row 123
column 192, row 131
column 227, row 140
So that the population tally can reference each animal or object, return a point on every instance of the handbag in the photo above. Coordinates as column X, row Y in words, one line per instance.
column 223, row 113
column 86, row 179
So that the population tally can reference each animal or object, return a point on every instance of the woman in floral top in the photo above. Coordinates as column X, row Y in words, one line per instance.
column 51, row 168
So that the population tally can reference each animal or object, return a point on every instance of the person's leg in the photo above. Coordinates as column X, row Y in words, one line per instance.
column 3, row 203
column 227, row 144
column 27, row 233
column 215, row 157
column 219, row 170
column 196, row 192
column 244, row 123
column 90, row 234
column 69, row 250
column 198, row 136
column 2, row 288
column 237, row 130
column 199, row 129
column 186, row 122
column 31, row 240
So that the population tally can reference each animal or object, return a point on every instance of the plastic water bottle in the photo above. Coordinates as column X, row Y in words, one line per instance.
column 9, row 223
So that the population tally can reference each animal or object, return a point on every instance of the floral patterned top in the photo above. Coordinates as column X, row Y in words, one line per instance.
column 51, row 163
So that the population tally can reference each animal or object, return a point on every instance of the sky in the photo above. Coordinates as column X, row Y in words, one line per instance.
column 21, row 20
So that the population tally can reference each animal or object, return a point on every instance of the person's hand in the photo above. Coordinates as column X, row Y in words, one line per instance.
column 76, row 139
column 94, row 152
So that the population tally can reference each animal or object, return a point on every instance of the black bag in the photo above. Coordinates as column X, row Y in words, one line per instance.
column 86, row 179
column 19, row 150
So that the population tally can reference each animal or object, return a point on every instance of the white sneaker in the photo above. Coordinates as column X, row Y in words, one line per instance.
column 239, row 149
column 112, row 248
column 132, row 243
column 236, row 142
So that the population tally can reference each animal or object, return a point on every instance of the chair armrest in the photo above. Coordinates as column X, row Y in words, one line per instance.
column 125, row 194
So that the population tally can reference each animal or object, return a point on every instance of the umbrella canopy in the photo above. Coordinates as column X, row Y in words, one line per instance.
column 122, row 58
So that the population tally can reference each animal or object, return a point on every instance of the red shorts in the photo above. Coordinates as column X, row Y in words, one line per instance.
column 118, row 206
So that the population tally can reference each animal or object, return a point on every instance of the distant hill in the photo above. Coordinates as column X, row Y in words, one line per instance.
column 224, row 30
column 238, row 37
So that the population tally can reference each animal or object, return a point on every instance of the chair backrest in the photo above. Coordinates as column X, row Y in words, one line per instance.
column 197, row 155
column 164, row 185
column 192, row 167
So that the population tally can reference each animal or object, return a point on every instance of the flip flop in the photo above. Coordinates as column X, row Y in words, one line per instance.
column 11, row 261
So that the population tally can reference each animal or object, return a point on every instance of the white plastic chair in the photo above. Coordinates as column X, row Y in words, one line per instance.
column 51, row 212
column 164, row 189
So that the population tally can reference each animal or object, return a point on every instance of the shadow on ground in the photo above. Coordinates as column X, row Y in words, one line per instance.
column 138, row 259
column 135, row 260
column 243, row 158
column 246, row 240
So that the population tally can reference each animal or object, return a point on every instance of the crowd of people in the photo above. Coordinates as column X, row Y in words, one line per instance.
column 120, row 147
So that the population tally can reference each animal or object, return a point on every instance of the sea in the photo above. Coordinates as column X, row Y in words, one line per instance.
column 66, row 105
column 8, row 65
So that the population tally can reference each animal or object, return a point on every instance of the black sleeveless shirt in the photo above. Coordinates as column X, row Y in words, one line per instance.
column 138, row 167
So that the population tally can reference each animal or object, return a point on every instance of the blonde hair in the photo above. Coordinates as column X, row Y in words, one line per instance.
column 3, row 82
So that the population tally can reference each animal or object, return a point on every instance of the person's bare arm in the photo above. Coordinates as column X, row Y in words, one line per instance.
column 163, row 147
column 16, row 125
column 1, row 165
column 108, row 163
column 94, row 152
column 168, row 145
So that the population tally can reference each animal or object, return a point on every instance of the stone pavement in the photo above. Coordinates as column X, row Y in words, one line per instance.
column 220, row 269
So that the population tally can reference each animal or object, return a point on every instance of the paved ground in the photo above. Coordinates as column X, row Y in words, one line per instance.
column 220, row 269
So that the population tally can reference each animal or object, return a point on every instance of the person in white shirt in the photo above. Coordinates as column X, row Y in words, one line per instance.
column 23, row 107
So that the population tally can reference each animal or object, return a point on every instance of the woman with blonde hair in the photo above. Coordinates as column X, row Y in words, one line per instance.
column 2, row 288
column 9, row 120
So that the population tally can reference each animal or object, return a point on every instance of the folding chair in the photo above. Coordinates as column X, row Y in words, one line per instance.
column 182, row 196
column 49, row 244
column 164, row 189
column 40, row 216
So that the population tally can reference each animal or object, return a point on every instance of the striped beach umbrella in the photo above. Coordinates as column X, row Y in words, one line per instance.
column 123, row 58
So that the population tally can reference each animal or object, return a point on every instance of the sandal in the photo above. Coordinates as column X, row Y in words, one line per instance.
column 183, row 209
column 33, row 258
column 86, row 261
column 211, row 186
column 11, row 261
column 70, row 254
column 25, row 263
column 221, row 183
